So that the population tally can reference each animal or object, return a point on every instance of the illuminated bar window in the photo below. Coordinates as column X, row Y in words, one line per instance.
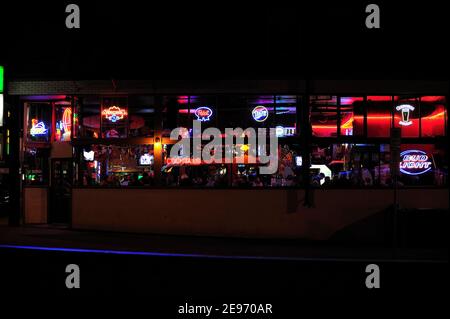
column 324, row 115
column 87, row 110
column 114, row 117
column 38, row 119
column 406, row 115
column 352, row 116
column 423, row 165
column 63, row 121
column 235, row 111
column 433, row 116
column 286, row 115
column 141, row 111
column 379, row 116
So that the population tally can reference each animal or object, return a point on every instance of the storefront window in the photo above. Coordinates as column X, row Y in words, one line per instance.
column 379, row 116
column 113, row 165
column 88, row 111
column 433, row 116
column 352, row 116
column 142, row 116
column 35, row 166
column 286, row 115
column 179, row 171
column 423, row 165
column 236, row 111
column 63, row 121
column 406, row 115
column 38, row 122
column 114, row 117
column 324, row 115
column 350, row 165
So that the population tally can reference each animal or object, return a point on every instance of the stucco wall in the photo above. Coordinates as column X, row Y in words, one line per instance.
column 242, row 213
column 35, row 205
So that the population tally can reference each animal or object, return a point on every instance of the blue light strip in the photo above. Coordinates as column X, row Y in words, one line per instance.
column 139, row 253
column 155, row 254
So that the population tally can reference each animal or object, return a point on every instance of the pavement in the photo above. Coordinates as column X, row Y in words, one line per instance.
column 61, row 237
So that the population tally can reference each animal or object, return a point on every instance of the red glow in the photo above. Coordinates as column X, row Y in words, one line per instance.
column 377, row 98
column 432, row 98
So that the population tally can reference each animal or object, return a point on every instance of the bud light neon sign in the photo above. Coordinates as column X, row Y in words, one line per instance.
column 260, row 113
column 414, row 162
column 405, row 109
column 203, row 113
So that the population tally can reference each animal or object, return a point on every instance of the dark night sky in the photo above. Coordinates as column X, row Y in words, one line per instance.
column 223, row 39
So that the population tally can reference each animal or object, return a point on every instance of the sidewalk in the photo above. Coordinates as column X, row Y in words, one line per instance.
column 60, row 237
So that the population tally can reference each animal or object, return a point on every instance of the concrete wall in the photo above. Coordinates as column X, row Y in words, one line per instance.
column 35, row 205
column 237, row 213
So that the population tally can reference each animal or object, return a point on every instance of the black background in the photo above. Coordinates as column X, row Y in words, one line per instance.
column 137, row 39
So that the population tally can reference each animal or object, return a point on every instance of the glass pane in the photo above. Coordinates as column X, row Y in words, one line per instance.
column 406, row 115
column 115, row 165
column 89, row 117
column 115, row 119
column 39, row 119
column 324, row 115
column 379, row 116
column 286, row 115
column 433, row 115
column 63, row 124
column 352, row 116
column 142, row 116
column 423, row 164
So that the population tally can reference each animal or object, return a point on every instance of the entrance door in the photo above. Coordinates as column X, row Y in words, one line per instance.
column 61, row 191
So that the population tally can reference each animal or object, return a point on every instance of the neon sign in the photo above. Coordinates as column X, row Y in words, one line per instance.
column 182, row 161
column 88, row 156
column 414, row 162
column 64, row 126
column 146, row 159
column 281, row 131
column 405, row 109
column 114, row 113
column 66, row 122
column 260, row 113
column 203, row 113
column 38, row 128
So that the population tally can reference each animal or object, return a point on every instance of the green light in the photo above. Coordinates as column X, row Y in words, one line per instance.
column 1, row 78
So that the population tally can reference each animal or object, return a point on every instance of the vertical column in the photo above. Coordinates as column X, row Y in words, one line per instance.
column 305, row 140
column 157, row 144
column 14, row 116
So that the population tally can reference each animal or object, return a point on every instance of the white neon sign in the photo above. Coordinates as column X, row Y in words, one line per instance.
column 146, row 159
column 405, row 109
column 88, row 156
column 38, row 129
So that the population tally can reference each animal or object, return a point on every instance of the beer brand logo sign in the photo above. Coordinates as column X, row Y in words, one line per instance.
column 38, row 128
column 114, row 113
column 405, row 109
column 260, row 113
column 414, row 162
column 203, row 113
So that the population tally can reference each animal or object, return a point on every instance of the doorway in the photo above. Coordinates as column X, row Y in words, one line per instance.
column 60, row 192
